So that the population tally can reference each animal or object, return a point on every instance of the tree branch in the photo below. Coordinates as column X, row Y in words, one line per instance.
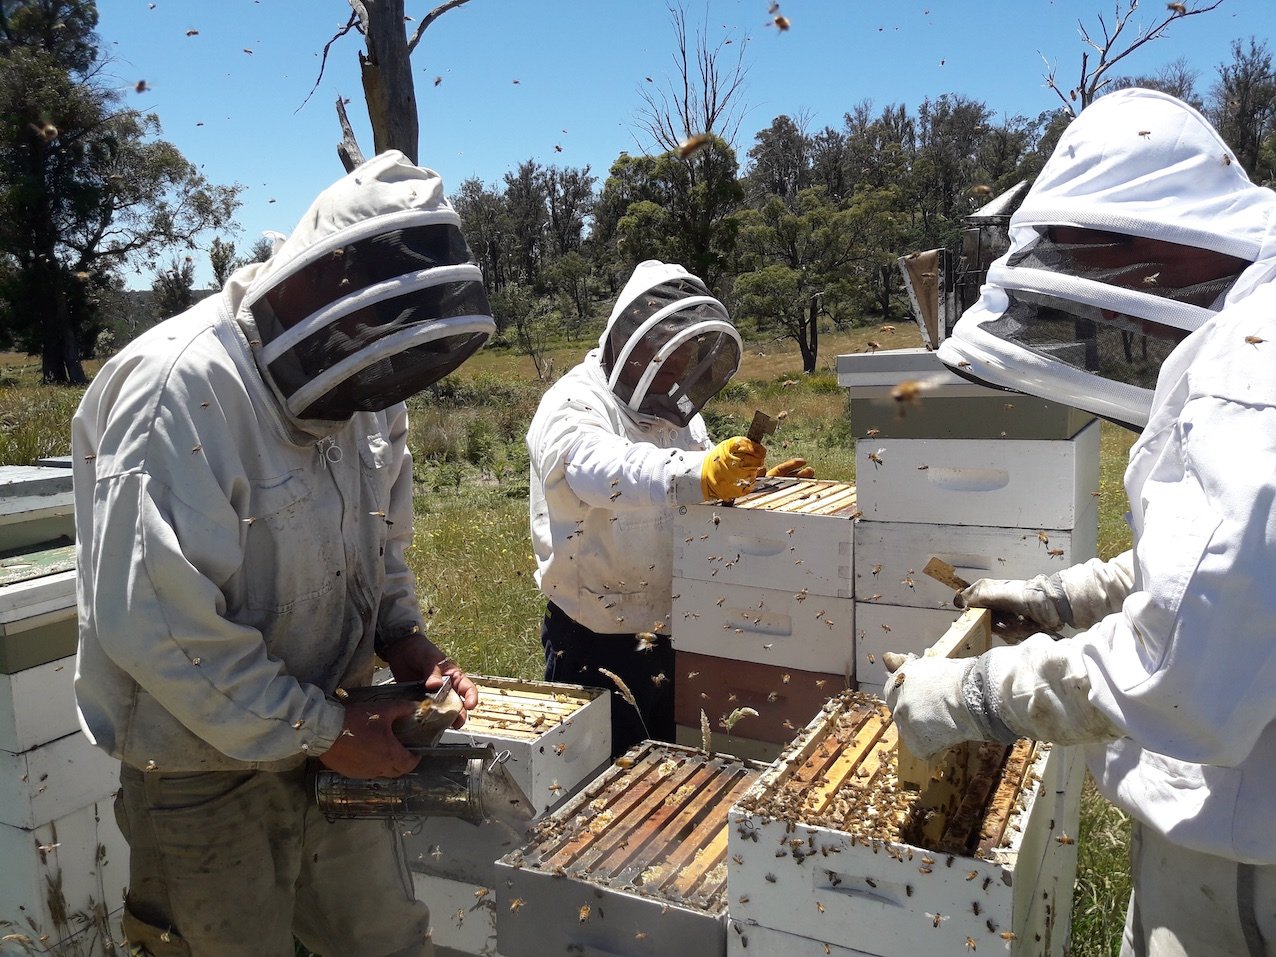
column 348, row 149
column 323, row 62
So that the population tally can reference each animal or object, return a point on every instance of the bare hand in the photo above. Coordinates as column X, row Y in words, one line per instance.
column 419, row 659
column 367, row 747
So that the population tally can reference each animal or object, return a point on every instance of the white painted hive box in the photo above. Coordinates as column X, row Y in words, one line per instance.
column 797, row 866
column 790, row 534
column 36, row 505
column 1011, row 483
column 63, row 875
column 901, row 628
column 462, row 915
column 893, row 554
column 633, row 865
column 37, row 607
column 558, row 735
column 37, row 705
column 770, row 626
column 51, row 781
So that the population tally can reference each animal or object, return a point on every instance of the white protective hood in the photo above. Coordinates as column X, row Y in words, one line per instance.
column 669, row 346
column 1136, row 163
column 374, row 296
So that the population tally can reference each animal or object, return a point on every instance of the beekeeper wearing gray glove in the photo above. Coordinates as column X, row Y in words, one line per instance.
column 1075, row 597
column 1142, row 246
column 243, row 503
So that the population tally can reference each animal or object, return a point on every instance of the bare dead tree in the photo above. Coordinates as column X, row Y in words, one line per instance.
column 1093, row 78
column 704, row 95
column 385, row 68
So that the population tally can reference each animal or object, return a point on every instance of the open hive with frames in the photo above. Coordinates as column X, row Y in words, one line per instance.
column 829, row 845
column 634, row 864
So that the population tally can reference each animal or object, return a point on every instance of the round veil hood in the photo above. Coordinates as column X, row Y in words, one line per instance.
column 669, row 346
column 1100, row 281
column 372, row 298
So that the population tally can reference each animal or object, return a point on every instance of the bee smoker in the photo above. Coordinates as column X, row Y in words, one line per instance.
column 454, row 780
column 451, row 780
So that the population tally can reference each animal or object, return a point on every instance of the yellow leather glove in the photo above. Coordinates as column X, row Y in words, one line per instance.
column 795, row 468
column 731, row 468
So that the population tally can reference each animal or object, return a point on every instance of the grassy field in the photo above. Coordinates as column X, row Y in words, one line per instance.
column 472, row 553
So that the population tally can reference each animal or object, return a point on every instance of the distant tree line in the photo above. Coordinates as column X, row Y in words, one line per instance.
column 804, row 231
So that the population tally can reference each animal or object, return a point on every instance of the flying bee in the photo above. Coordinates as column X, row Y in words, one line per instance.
column 937, row 919
column 583, row 914
column 781, row 22
column 516, row 905
column 876, row 457
column 1054, row 552
column 646, row 640
column 1043, row 538
column 1227, row 160
column 907, row 392
column 1254, row 341
column 872, row 346
column 141, row 87
column 1065, row 839
column 1151, row 280
column 1145, row 133
column 1179, row 8
column 692, row 145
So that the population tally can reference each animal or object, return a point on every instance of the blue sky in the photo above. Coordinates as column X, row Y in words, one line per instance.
column 521, row 77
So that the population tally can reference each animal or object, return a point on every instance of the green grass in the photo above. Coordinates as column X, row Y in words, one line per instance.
column 472, row 553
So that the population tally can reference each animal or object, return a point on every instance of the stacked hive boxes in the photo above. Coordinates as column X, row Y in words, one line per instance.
column 763, row 615
column 996, row 484
column 559, row 738
column 65, row 863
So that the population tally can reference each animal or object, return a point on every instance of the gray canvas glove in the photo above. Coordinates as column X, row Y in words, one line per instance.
column 939, row 702
column 1078, row 597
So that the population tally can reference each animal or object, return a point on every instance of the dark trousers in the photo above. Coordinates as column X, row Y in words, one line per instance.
column 574, row 655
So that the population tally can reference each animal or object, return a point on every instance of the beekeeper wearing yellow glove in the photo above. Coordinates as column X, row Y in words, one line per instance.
column 616, row 446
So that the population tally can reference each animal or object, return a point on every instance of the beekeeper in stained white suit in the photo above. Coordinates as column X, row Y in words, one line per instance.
column 616, row 445
column 1141, row 285
column 243, row 502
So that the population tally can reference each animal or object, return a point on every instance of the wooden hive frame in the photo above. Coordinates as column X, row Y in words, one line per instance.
column 637, row 858
column 808, row 496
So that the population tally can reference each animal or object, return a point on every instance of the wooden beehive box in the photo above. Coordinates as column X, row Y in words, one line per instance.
column 785, row 699
column 66, row 879
column 52, row 780
column 36, row 506
column 634, row 864
column 1009, row 483
column 462, row 915
column 893, row 554
column 900, row 628
column 37, row 607
column 558, row 735
column 818, row 845
column 791, row 535
column 559, row 739
column 37, row 705
column 769, row 626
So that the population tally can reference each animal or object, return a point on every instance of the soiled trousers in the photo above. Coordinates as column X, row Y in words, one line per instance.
column 234, row 864
column 1188, row 904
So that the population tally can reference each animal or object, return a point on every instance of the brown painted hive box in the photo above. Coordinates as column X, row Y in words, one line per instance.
column 828, row 846
column 633, row 865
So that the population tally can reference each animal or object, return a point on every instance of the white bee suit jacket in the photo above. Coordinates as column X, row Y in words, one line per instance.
column 604, row 485
column 1184, row 676
column 236, row 561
